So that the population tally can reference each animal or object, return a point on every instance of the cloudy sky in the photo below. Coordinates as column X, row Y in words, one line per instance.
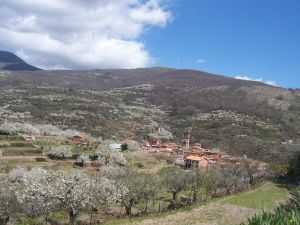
column 249, row 39
column 79, row 33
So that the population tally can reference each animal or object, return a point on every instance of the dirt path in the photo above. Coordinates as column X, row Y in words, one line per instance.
column 212, row 214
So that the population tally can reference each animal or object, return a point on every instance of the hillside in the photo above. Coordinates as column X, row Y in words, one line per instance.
column 237, row 116
column 11, row 62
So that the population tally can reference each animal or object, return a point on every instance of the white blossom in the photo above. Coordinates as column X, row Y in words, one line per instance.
column 61, row 151
column 83, row 160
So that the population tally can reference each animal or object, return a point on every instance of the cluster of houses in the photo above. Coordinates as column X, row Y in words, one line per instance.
column 186, row 155
column 196, row 155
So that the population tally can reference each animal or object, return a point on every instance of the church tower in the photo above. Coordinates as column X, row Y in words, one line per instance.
column 186, row 139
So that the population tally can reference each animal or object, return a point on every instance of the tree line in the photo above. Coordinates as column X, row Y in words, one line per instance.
column 37, row 193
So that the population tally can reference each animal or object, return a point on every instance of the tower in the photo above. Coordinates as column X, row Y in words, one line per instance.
column 186, row 139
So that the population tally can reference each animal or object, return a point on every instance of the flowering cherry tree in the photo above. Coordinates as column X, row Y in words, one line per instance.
column 32, row 190
column 73, row 190
column 6, row 199
column 60, row 152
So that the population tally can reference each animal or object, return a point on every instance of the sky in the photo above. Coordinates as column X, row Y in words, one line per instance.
column 246, row 39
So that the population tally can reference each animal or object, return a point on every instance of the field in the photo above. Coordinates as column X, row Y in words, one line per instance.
column 224, row 211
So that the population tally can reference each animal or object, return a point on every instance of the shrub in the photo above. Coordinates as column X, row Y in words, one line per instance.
column 118, row 158
column 39, row 159
column 171, row 160
column 83, row 160
column 280, row 97
column 4, row 144
column 60, row 152
column 124, row 147
column 294, row 107
column 278, row 170
column 139, row 165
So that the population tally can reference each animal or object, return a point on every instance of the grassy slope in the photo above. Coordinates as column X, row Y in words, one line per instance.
column 225, row 211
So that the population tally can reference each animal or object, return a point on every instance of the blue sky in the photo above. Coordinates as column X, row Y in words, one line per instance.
column 259, row 39
column 254, row 39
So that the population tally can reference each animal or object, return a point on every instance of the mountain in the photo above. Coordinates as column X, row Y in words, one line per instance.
column 11, row 62
column 236, row 116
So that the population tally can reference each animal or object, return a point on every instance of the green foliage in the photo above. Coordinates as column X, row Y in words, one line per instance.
column 279, row 170
column 167, row 170
column 124, row 147
column 41, row 159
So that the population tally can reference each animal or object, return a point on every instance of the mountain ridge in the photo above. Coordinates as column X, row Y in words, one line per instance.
column 11, row 62
column 237, row 116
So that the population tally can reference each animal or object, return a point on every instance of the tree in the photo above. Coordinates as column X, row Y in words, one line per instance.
column 150, row 186
column 33, row 192
column 124, row 147
column 105, row 191
column 175, row 182
column 73, row 190
column 229, row 178
column 83, row 160
column 250, row 170
column 7, row 200
column 133, row 187
column 117, row 157
column 133, row 183
column 195, row 182
column 60, row 152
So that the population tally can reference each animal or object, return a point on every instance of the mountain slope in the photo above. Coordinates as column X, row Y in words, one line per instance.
column 240, row 117
column 10, row 62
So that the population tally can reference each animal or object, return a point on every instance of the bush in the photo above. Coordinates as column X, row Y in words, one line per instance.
column 83, row 160
column 280, row 97
column 294, row 107
column 4, row 144
column 139, row 165
column 278, row 170
column 124, row 147
column 171, row 160
column 60, row 152
column 41, row 159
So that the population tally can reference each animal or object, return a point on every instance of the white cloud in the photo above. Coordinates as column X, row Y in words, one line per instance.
column 269, row 82
column 80, row 34
column 200, row 61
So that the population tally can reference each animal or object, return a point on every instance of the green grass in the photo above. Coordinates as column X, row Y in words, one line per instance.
column 10, row 166
column 264, row 197
column 223, row 211
column 20, row 144
column 20, row 151
column 168, row 170
column 44, row 143
column 11, row 138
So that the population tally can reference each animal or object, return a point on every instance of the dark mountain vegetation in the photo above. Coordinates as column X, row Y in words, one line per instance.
column 11, row 62
column 237, row 116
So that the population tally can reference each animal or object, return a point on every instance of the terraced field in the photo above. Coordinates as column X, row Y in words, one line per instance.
column 15, row 151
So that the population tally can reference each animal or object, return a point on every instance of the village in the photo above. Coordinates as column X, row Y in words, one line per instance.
column 186, row 154
column 195, row 155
